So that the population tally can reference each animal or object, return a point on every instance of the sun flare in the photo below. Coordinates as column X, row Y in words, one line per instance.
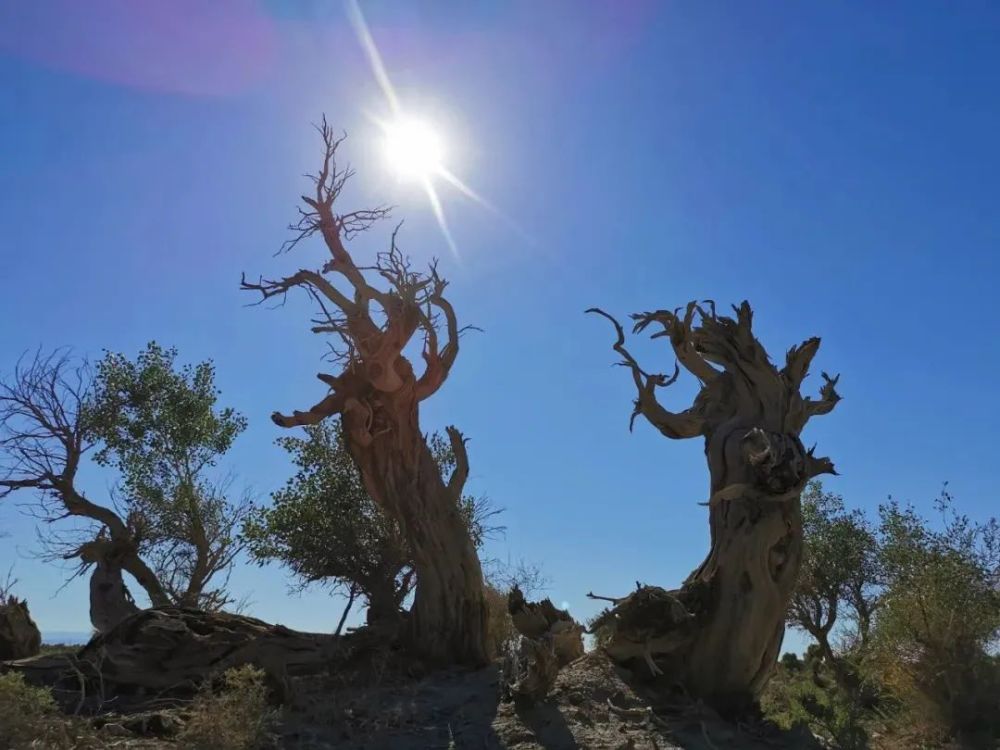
column 413, row 149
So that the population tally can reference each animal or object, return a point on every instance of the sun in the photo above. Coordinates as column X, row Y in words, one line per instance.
column 413, row 149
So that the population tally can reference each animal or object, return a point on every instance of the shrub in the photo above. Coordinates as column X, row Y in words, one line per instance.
column 237, row 716
column 805, row 692
column 29, row 719
column 939, row 619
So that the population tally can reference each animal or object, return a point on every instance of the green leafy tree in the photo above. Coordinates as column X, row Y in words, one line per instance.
column 325, row 528
column 157, row 424
column 839, row 582
column 940, row 620
column 169, row 523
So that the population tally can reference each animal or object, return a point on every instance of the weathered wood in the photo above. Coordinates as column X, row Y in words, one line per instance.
column 750, row 415
column 19, row 635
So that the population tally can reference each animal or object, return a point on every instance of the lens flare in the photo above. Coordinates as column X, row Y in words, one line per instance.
column 413, row 149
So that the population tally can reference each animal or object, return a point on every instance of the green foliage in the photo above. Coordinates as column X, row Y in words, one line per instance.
column 939, row 619
column 840, row 568
column 29, row 718
column 325, row 528
column 914, row 658
column 157, row 424
column 805, row 692
column 235, row 717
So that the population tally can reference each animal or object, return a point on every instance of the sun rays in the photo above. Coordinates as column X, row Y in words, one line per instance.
column 414, row 149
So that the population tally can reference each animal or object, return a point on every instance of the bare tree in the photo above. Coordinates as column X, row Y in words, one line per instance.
column 377, row 394
column 750, row 415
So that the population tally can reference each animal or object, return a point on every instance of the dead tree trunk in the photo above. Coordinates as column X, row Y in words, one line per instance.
column 377, row 395
column 750, row 415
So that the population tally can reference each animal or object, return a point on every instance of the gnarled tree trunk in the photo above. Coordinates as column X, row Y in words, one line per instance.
column 750, row 415
column 448, row 618
column 110, row 600
column 748, row 575
column 377, row 394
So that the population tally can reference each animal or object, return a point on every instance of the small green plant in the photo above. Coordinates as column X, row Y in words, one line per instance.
column 236, row 716
column 29, row 718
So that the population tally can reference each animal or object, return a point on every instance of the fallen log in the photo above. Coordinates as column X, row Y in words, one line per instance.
column 160, row 657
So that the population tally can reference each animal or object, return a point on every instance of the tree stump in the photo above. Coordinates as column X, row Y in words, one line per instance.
column 19, row 636
column 550, row 639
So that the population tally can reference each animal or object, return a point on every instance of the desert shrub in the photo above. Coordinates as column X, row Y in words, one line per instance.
column 939, row 620
column 30, row 719
column 234, row 716
column 807, row 693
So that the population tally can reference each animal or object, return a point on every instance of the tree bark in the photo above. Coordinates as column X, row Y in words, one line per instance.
column 110, row 600
column 747, row 580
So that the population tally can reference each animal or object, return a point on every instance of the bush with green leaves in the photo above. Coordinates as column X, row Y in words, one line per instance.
column 157, row 424
column 905, row 615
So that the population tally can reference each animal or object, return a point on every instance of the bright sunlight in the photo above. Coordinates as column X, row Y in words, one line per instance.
column 413, row 149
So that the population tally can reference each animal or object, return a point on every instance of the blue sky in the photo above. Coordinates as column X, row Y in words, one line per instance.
column 835, row 164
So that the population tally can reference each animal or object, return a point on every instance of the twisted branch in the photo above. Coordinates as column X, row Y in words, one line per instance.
column 685, row 424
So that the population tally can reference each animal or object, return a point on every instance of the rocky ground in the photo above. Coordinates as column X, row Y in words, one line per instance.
column 592, row 706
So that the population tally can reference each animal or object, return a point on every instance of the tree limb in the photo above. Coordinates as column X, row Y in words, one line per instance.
column 460, row 473
column 681, row 337
column 686, row 424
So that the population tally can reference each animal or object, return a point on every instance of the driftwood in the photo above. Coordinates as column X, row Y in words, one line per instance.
column 750, row 415
column 19, row 635
column 160, row 657
column 550, row 639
